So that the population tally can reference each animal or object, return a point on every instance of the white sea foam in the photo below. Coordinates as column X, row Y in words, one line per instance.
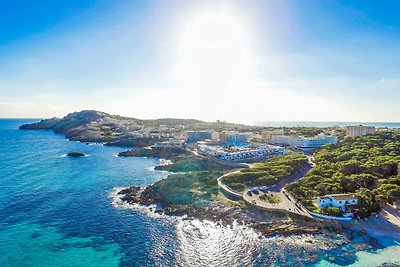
column 152, row 169
column 116, row 201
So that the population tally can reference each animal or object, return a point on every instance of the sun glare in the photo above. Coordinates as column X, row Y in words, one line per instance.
column 213, row 50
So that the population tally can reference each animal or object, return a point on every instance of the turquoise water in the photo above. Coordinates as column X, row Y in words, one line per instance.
column 58, row 211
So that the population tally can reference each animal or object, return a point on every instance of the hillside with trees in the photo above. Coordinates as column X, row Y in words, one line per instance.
column 367, row 166
column 266, row 173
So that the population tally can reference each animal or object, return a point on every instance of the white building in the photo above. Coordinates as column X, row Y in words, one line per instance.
column 242, row 153
column 304, row 142
column 179, row 127
column 313, row 142
column 281, row 139
column 162, row 127
column 359, row 130
column 267, row 135
column 170, row 144
column 234, row 138
column 341, row 201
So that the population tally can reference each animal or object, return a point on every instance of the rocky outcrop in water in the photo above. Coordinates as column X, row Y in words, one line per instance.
column 76, row 154
column 130, row 195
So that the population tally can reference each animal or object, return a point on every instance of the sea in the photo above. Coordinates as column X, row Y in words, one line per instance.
column 61, row 211
column 324, row 124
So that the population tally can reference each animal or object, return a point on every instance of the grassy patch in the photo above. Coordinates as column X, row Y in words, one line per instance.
column 194, row 188
column 271, row 198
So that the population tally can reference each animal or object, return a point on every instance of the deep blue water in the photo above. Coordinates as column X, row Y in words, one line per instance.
column 57, row 211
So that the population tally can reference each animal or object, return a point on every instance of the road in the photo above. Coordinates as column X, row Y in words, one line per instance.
column 226, row 188
column 287, row 204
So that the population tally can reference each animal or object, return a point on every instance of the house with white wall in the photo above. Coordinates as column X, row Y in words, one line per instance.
column 340, row 201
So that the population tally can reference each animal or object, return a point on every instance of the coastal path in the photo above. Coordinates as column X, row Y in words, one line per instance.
column 226, row 189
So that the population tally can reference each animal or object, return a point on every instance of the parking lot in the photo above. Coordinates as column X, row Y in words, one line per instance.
column 287, row 203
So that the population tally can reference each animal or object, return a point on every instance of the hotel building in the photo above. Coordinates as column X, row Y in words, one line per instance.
column 359, row 130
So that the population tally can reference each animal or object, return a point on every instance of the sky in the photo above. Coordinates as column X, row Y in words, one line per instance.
column 240, row 61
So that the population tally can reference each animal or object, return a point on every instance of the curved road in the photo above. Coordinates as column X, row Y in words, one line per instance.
column 288, row 202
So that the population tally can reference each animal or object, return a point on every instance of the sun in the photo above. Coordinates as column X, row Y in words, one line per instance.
column 213, row 50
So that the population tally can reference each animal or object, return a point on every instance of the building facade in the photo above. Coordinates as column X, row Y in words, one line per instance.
column 359, row 130
column 233, row 138
column 304, row 142
column 170, row 144
column 267, row 135
column 313, row 142
column 194, row 136
column 242, row 153
column 340, row 201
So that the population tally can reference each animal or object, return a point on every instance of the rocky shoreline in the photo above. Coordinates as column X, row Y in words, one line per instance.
column 310, row 239
column 276, row 225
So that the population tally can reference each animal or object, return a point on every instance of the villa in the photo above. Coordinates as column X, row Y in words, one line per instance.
column 344, row 202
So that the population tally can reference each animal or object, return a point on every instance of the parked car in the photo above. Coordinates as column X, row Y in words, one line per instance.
column 264, row 188
column 249, row 193
column 255, row 191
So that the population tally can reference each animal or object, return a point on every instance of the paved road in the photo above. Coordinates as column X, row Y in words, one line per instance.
column 226, row 188
column 287, row 203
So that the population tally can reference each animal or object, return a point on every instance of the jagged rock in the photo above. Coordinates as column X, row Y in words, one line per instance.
column 131, row 194
column 76, row 154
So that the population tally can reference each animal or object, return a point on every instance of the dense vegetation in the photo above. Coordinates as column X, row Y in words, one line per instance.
column 366, row 166
column 312, row 131
column 266, row 173
column 186, row 190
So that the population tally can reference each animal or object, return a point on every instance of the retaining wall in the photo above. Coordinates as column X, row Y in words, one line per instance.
column 326, row 217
